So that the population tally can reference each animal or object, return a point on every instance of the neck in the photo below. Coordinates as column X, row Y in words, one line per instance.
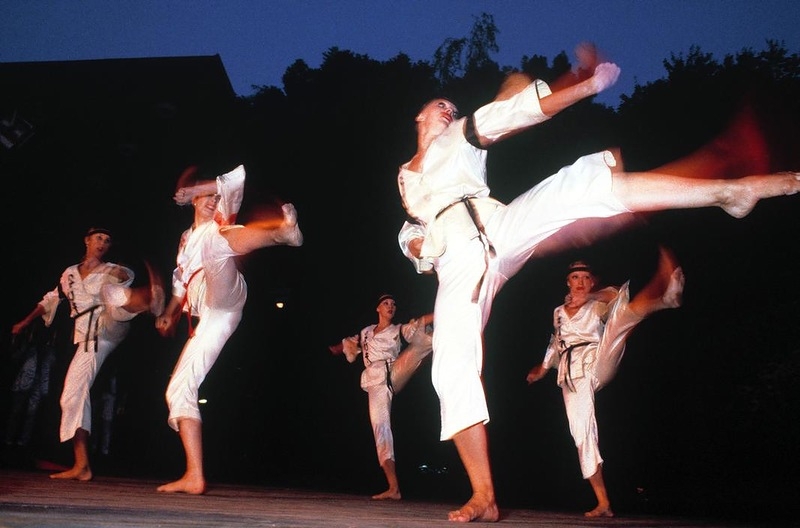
column 90, row 262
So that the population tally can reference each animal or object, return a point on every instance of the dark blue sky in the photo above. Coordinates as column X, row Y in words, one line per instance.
column 257, row 40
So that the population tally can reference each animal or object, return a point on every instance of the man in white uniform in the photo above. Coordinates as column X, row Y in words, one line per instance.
column 207, row 284
column 475, row 243
column 590, row 332
column 101, row 303
column 386, row 371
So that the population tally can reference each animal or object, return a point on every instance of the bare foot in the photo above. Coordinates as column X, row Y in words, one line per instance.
column 83, row 474
column 600, row 511
column 291, row 231
column 388, row 494
column 673, row 296
column 479, row 508
column 746, row 192
column 190, row 485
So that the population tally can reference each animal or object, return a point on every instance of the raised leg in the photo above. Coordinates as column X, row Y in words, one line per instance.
column 264, row 233
column 657, row 191
column 665, row 288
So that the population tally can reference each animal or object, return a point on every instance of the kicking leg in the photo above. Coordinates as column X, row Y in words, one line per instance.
column 411, row 358
column 665, row 288
column 656, row 191
column 265, row 233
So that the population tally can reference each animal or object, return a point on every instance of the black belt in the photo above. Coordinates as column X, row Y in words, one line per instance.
column 96, row 321
column 487, row 244
column 389, row 377
column 568, row 351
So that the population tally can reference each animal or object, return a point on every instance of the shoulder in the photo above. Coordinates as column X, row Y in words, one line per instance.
column 118, row 270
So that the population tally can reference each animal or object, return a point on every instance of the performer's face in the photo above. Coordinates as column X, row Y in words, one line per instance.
column 206, row 204
column 438, row 111
column 580, row 282
column 387, row 307
column 98, row 244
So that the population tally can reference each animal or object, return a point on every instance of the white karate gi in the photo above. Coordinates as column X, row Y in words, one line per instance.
column 100, row 325
column 587, row 368
column 473, row 266
column 379, row 352
column 214, row 290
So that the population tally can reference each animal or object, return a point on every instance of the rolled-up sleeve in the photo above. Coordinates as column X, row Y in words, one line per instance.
column 50, row 303
column 408, row 233
column 498, row 118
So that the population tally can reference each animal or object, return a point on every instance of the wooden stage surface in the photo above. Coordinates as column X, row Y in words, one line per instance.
column 31, row 499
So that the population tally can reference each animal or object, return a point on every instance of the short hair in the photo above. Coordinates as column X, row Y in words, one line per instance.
column 383, row 297
column 579, row 265
column 94, row 230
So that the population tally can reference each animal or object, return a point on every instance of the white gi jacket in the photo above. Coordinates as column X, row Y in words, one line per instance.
column 427, row 200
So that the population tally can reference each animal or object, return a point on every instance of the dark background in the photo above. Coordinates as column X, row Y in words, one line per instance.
column 701, row 418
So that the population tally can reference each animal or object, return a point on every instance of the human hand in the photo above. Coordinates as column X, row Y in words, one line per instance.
column 421, row 338
column 586, row 53
column 165, row 325
column 19, row 327
column 183, row 196
column 535, row 374
column 415, row 246
column 605, row 76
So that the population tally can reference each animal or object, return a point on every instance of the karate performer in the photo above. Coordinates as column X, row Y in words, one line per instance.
column 207, row 284
column 590, row 331
column 386, row 371
column 475, row 244
column 102, row 303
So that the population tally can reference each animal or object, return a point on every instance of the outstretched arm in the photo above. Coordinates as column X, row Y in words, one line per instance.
column 604, row 76
column 523, row 103
column 185, row 195
column 349, row 346
column 20, row 326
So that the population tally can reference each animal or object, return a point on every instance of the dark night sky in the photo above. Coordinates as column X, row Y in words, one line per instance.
column 259, row 40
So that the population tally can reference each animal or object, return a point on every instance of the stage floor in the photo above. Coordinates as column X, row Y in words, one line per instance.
column 31, row 498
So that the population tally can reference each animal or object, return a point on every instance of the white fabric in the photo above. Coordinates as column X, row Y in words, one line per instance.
column 379, row 351
column 198, row 356
column 76, row 402
column 592, row 366
column 214, row 289
column 100, row 324
column 230, row 188
column 452, row 170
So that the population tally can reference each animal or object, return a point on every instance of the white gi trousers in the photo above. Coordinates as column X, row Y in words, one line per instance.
column 217, row 296
column 581, row 190
column 380, row 416
column 76, row 403
column 579, row 403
